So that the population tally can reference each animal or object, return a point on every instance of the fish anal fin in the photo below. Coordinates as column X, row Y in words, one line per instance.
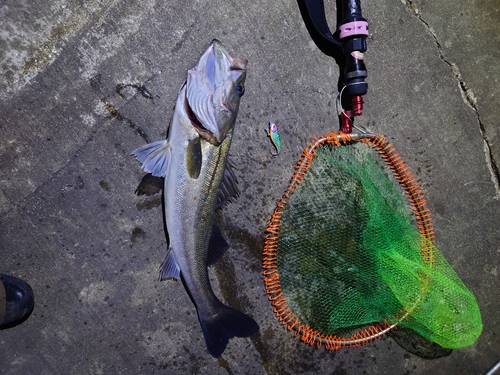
column 217, row 245
column 154, row 157
column 169, row 268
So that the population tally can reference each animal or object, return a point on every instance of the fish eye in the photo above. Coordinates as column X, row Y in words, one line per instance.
column 240, row 89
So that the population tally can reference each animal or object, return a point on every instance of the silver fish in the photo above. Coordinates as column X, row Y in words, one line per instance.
column 197, row 180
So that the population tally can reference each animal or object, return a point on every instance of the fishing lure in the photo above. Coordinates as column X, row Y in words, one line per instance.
column 274, row 135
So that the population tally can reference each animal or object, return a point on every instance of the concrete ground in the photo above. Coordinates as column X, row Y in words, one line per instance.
column 74, row 104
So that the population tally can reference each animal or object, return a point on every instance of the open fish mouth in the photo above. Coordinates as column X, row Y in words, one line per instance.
column 201, row 102
column 212, row 91
column 204, row 132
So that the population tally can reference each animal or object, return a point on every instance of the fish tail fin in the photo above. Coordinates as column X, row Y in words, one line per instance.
column 227, row 323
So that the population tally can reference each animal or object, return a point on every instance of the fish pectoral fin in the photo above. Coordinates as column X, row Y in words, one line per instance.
column 217, row 245
column 169, row 268
column 227, row 323
column 228, row 187
column 150, row 185
column 154, row 157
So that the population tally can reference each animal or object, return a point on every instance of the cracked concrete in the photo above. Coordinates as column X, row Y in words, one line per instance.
column 489, row 135
column 105, row 81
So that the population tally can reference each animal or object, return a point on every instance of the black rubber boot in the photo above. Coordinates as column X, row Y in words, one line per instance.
column 16, row 301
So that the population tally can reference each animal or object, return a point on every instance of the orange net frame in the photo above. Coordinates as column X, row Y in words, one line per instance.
column 273, row 286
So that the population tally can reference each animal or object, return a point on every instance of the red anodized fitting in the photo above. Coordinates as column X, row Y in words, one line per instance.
column 357, row 105
column 346, row 122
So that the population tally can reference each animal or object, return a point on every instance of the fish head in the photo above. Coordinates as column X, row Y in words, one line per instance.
column 214, row 88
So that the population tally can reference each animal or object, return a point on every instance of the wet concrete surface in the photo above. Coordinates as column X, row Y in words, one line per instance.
column 83, row 83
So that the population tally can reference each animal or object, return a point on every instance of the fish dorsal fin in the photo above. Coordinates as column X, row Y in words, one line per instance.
column 217, row 245
column 154, row 157
column 228, row 186
column 169, row 268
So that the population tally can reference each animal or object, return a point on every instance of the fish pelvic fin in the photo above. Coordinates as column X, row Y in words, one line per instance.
column 154, row 157
column 227, row 323
column 169, row 268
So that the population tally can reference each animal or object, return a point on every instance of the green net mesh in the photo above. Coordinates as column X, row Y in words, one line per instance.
column 349, row 256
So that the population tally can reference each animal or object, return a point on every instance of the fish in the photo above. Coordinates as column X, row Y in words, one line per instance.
column 274, row 135
column 197, row 176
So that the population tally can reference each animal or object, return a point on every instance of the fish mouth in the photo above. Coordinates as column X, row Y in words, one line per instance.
column 212, row 95
column 204, row 133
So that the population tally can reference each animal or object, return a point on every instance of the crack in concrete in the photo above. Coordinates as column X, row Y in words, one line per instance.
column 467, row 95
column 117, row 115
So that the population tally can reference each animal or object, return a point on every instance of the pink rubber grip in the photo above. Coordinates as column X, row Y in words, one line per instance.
column 353, row 28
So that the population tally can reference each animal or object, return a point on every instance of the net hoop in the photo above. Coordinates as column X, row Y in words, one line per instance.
column 270, row 269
